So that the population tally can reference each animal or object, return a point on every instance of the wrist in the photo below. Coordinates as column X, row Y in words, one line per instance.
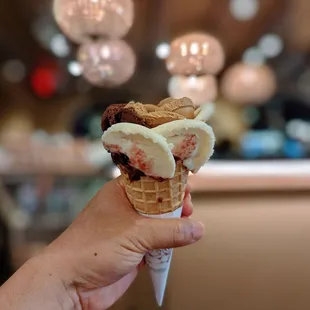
column 58, row 285
column 37, row 285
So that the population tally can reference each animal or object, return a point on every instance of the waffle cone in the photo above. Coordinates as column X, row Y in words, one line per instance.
column 151, row 196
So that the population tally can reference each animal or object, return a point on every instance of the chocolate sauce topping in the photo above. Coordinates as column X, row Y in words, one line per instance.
column 123, row 160
column 134, row 174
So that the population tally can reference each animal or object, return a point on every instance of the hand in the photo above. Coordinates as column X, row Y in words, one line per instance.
column 99, row 255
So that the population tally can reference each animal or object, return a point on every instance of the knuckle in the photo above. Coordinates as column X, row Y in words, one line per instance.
column 134, row 235
column 141, row 233
column 180, row 234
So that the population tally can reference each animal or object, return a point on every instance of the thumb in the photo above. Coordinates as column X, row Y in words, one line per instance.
column 169, row 233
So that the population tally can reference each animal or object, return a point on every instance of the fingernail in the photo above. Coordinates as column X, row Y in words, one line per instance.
column 197, row 230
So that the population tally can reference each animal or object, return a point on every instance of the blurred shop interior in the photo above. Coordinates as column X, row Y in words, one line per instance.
column 55, row 84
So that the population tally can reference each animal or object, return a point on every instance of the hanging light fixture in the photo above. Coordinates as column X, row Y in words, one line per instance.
column 248, row 84
column 98, row 26
column 107, row 63
column 195, row 54
column 200, row 89
column 194, row 60
column 83, row 19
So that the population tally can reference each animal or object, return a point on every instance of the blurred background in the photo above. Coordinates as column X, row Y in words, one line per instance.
column 61, row 66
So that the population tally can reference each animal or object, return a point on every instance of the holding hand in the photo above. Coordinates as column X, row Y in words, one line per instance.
column 92, row 264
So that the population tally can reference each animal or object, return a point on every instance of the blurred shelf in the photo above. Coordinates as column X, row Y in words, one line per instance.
column 80, row 158
column 277, row 175
column 72, row 158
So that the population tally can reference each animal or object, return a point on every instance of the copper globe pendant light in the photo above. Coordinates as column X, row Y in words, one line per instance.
column 200, row 89
column 195, row 54
column 81, row 19
column 248, row 84
column 107, row 61
column 194, row 61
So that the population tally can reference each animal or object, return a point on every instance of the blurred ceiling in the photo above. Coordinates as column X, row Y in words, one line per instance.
column 155, row 21
column 160, row 21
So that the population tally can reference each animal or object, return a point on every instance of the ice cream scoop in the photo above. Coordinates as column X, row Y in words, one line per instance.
column 147, row 151
column 158, row 118
column 193, row 141
column 183, row 106
column 204, row 112
column 112, row 115
column 151, row 107
column 152, row 151
column 121, row 113
column 149, row 115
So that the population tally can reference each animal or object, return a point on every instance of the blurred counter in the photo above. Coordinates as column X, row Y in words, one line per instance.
column 266, row 175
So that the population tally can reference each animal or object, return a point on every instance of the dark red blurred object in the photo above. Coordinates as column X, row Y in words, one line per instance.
column 44, row 82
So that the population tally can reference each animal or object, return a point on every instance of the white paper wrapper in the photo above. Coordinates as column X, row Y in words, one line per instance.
column 158, row 261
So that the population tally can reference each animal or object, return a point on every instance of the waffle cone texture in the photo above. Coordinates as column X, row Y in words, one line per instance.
column 150, row 196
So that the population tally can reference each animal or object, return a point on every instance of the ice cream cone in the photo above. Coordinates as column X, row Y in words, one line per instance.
column 144, row 142
column 158, row 199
